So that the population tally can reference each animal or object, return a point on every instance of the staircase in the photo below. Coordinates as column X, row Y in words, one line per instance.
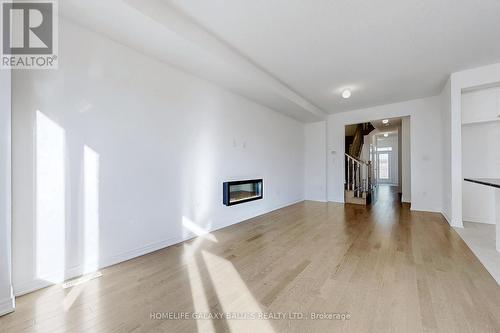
column 359, row 187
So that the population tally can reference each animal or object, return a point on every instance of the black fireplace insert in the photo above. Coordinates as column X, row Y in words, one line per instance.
column 242, row 191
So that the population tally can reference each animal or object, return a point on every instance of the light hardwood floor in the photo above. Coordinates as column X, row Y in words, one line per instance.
column 390, row 269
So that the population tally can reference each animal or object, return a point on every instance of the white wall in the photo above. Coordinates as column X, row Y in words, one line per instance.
column 426, row 150
column 315, row 161
column 365, row 150
column 138, row 152
column 369, row 140
column 6, row 297
column 405, row 136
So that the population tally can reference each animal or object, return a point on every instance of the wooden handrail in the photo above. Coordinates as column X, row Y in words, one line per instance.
column 356, row 159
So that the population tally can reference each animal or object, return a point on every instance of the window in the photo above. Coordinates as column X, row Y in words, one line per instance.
column 384, row 149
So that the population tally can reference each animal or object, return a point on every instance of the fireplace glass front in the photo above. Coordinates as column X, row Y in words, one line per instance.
column 242, row 191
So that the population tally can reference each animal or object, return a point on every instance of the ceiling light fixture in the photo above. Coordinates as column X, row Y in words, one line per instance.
column 346, row 94
column 385, row 121
column 386, row 135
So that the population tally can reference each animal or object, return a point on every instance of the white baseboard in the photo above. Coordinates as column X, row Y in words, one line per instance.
column 30, row 286
column 477, row 220
column 429, row 210
column 446, row 217
column 7, row 306
column 317, row 200
column 33, row 285
column 222, row 225
column 70, row 273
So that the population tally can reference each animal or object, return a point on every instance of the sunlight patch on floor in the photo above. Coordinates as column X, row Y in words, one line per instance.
column 234, row 295
column 198, row 293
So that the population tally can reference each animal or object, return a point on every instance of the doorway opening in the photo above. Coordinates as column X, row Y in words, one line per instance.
column 377, row 162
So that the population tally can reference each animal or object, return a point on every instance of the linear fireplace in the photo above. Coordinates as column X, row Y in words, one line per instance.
column 242, row 191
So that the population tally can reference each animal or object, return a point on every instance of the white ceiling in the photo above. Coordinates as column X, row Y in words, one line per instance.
column 296, row 56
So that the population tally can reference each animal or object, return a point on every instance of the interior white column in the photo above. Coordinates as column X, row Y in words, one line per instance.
column 6, row 295
column 497, row 217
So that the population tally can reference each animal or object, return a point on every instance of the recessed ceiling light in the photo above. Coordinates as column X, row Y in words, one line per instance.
column 386, row 135
column 385, row 121
column 346, row 94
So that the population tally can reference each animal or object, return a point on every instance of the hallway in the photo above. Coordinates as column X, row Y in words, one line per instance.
column 387, row 197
